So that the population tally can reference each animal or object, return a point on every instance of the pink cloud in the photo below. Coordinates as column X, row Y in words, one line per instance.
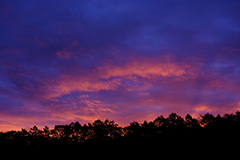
column 139, row 89
column 203, row 109
column 144, row 68
column 140, row 73
column 68, row 85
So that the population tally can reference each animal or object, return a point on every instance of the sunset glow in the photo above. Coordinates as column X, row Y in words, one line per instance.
column 82, row 60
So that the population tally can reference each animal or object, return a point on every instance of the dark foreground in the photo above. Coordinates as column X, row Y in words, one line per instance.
column 172, row 134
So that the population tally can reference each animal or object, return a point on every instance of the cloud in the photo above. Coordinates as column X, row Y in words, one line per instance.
column 67, row 85
column 66, row 61
column 135, row 75
column 139, row 88
column 203, row 109
column 145, row 69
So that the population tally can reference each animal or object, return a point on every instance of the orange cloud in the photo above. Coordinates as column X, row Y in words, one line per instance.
column 110, row 77
column 137, row 76
column 203, row 109
column 146, row 69
column 68, row 85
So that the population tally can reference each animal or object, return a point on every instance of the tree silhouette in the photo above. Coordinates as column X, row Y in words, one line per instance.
column 170, row 131
column 160, row 121
column 133, row 129
column 207, row 120
column 174, row 120
column 191, row 122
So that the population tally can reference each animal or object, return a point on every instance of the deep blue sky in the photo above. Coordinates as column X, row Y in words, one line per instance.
column 80, row 60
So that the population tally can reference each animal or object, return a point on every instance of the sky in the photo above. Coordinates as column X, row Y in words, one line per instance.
column 122, row 60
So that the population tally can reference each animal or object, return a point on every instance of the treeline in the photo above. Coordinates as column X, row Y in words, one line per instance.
column 163, row 130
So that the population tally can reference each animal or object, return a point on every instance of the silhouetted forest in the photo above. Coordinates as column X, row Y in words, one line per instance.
column 168, row 131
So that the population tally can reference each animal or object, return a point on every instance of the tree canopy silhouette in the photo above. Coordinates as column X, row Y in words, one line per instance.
column 162, row 130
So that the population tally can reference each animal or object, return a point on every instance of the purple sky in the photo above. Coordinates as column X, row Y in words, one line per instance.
column 125, row 60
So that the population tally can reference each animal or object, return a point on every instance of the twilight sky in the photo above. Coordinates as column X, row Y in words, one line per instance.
column 125, row 60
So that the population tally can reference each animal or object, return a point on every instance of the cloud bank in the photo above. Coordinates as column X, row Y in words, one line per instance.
column 80, row 60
